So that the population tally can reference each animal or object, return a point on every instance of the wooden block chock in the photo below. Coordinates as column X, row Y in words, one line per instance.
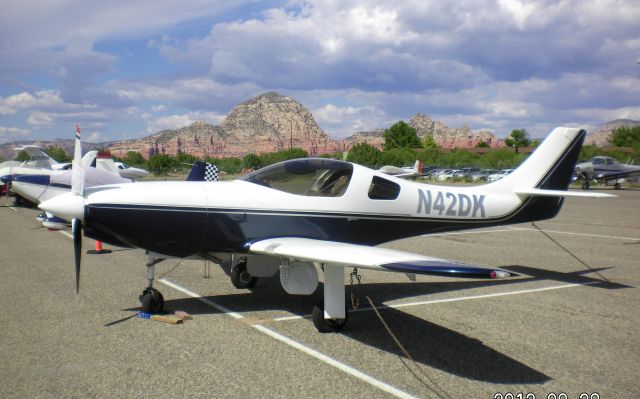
column 182, row 315
column 166, row 319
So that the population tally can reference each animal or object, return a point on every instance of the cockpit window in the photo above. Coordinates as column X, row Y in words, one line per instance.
column 383, row 189
column 309, row 176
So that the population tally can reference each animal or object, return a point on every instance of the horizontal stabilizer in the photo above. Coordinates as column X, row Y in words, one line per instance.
column 375, row 258
column 539, row 192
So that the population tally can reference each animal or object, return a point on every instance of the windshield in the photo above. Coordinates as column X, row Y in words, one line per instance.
column 307, row 176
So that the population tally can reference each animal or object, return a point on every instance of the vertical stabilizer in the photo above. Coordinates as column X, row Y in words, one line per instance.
column 38, row 158
column 550, row 166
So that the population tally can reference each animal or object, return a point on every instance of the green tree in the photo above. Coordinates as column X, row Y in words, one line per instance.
column 482, row 144
column 161, row 164
column 429, row 142
column 460, row 158
column 399, row 157
column 500, row 158
column 400, row 135
column 133, row 158
column 22, row 156
column 251, row 161
column 228, row 165
column 279, row 156
column 58, row 153
column 185, row 161
column 625, row 136
column 364, row 154
column 518, row 138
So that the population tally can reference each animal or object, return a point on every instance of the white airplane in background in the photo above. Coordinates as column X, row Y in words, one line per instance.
column 39, row 188
column 130, row 172
column 39, row 163
column 607, row 169
column 304, row 215
column 405, row 171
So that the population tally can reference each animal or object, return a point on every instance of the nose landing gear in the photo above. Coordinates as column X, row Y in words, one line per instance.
column 151, row 299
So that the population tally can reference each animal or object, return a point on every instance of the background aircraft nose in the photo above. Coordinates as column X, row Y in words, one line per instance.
column 67, row 206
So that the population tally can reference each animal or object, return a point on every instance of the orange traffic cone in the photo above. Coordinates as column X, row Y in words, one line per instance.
column 98, row 249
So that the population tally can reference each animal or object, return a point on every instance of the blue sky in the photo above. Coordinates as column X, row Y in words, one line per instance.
column 127, row 69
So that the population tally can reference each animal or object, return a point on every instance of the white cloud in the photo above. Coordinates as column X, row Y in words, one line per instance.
column 358, row 64
column 46, row 99
column 13, row 133
column 95, row 137
column 518, row 10
column 158, row 108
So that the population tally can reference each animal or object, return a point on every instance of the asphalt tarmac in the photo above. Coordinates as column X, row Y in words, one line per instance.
column 568, row 325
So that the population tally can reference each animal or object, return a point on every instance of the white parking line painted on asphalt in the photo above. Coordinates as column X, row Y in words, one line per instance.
column 464, row 298
column 66, row 234
column 577, row 234
column 510, row 229
column 297, row 345
column 455, row 233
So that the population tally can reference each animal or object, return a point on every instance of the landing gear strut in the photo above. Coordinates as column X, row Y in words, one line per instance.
column 330, row 314
column 151, row 299
column 586, row 184
column 240, row 277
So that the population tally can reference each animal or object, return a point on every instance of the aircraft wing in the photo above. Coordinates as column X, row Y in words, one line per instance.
column 618, row 174
column 366, row 257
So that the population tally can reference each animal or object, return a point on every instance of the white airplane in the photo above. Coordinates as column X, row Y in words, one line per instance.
column 130, row 172
column 607, row 169
column 304, row 215
column 405, row 171
column 39, row 162
column 38, row 188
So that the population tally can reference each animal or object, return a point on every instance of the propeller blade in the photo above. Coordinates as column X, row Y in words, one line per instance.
column 76, row 228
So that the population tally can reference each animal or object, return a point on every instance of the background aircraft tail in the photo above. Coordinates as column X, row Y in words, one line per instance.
column 202, row 171
column 38, row 158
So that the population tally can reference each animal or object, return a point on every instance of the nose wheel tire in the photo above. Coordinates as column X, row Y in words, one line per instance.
column 241, row 278
column 152, row 301
column 327, row 325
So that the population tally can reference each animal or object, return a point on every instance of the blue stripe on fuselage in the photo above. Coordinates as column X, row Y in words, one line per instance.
column 184, row 231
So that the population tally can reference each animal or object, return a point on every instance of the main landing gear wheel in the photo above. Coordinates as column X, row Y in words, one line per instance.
column 152, row 301
column 327, row 325
column 585, row 185
column 617, row 186
column 240, row 277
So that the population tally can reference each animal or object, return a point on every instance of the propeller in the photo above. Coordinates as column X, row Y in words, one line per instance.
column 77, row 188
column 76, row 229
column 70, row 206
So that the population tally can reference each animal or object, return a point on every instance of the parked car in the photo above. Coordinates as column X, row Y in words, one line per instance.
column 499, row 175
column 447, row 174
column 469, row 170
column 482, row 175
column 428, row 170
column 434, row 173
